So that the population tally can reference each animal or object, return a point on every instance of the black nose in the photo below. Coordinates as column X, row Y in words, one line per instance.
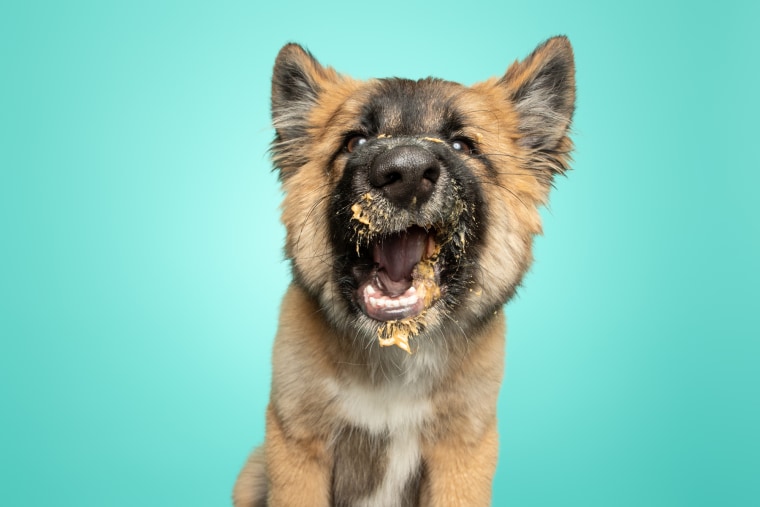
column 405, row 174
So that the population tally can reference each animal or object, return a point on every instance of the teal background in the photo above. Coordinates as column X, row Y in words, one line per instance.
column 141, row 265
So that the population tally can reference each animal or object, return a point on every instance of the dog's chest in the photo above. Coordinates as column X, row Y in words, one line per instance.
column 377, row 450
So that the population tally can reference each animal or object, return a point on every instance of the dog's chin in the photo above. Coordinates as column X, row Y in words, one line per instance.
column 381, row 307
column 398, row 275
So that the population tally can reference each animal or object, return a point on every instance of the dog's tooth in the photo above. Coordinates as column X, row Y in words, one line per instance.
column 370, row 290
column 395, row 303
column 412, row 300
column 372, row 301
column 411, row 290
column 403, row 301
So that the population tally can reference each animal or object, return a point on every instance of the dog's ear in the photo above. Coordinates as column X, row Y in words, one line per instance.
column 295, row 86
column 297, row 82
column 542, row 91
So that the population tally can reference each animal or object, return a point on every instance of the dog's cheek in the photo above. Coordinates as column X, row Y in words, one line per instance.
column 504, row 258
column 506, row 254
column 305, row 214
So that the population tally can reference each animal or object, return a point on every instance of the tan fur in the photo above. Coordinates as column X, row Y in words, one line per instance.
column 329, row 373
column 251, row 484
column 460, row 472
column 461, row 453
column 461, row 445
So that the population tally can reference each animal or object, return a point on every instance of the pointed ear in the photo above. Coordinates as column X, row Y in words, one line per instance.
column 295, row 89
column 542, row 90
column 297, row 83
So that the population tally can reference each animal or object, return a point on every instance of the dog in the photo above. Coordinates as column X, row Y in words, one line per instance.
column 410, row 207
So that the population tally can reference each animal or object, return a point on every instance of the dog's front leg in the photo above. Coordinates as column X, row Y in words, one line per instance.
column 459, row 470
column 298, row 468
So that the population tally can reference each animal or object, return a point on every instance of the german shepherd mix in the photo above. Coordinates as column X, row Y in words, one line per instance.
column 410, row 209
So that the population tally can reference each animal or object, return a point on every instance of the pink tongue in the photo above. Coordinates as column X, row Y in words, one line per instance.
column 398, row 254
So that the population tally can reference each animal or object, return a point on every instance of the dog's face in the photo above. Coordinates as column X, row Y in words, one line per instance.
column 411, row 205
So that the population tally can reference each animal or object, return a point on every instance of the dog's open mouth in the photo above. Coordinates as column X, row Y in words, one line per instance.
column 404, row 262
column 404, row 278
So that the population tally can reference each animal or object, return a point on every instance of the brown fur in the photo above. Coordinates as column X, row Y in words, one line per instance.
column 327, row 362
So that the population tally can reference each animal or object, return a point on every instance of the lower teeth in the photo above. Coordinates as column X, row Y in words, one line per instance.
column 410, row 298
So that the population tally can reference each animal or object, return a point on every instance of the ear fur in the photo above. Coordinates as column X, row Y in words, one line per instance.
column 542, row 90
column 297, row 82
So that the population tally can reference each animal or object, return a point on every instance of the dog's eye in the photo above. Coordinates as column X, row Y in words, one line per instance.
column 462, row 145
column 354, row 142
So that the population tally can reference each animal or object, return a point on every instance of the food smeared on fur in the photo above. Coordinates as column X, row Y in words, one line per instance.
column 398, row 333
column 410, row 209
column 424, row 289
column 404, row 278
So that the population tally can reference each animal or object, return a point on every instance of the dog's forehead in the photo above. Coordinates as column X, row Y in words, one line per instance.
column 403, row 106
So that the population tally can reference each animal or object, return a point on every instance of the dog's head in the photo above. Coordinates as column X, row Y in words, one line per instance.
column 412, row 204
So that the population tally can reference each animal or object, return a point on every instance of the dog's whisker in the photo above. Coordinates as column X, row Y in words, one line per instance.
column 512, row 192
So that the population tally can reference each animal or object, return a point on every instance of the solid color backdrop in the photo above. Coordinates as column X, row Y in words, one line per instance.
column 141, row 261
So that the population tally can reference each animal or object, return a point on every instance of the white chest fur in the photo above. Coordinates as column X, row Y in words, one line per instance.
column 398, row 411
column 403, row 461
column 391, row 408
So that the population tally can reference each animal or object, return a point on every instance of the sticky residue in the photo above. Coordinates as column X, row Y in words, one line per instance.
column 398, row 332
column 360, row 214
column 424, row 278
